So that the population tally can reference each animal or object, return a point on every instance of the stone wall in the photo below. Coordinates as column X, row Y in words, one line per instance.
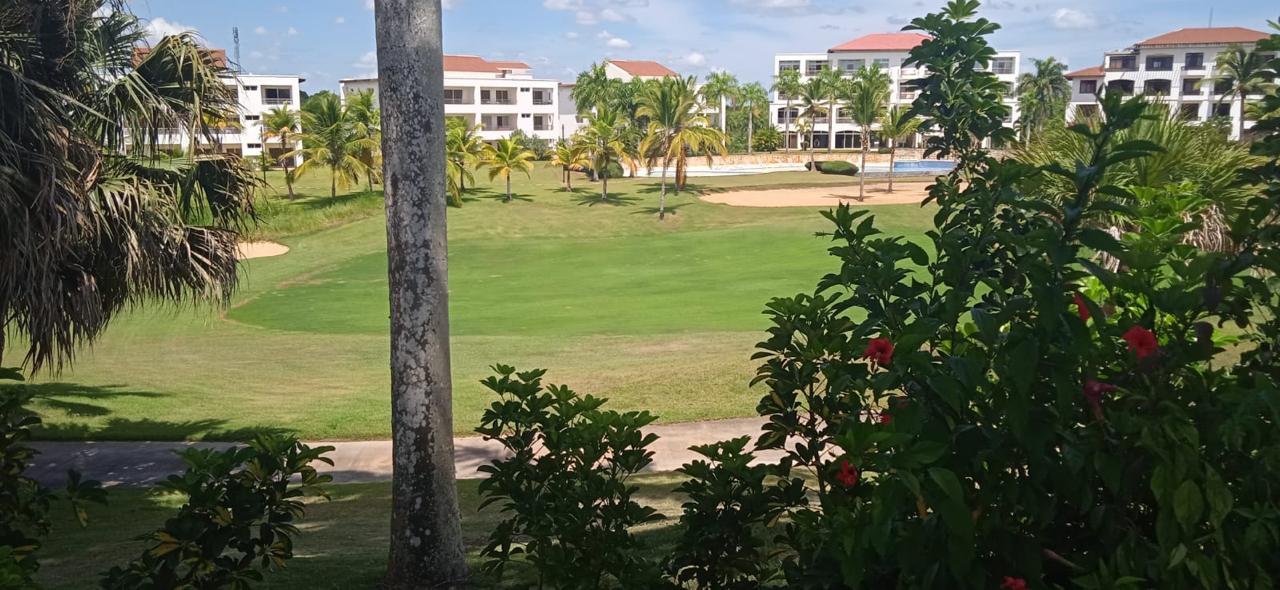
column 799, row 157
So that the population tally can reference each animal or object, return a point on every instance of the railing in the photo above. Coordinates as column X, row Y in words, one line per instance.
column 788, row 120
column 497, row 101
column 277, row 101
column 448, row 100
column 541, row 101
column 542, row 128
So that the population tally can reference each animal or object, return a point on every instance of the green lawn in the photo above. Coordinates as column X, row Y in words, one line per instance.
column 342, row 544
column 657, row 316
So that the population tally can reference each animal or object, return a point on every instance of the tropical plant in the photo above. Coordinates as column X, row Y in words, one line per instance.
column 465, row 148
column 570, row 155
column 95, row 217
column 1043, row 97
column 676, row 128
column 812, row 106
column 787, row 85
column 366, row 124
column 767, row 139
column 897, row 124
column 505, row 158
column 867, row 99
column 283, row 123
column 330, row 140
column 602, row 140
column 1245, row 72
column 754, row 99
column 720, row 89
column 834, row 86
column 594, row 89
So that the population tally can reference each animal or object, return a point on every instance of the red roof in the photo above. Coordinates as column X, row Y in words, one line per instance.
column 510, row 65
column 468, row 63
column 882, row 42
column 644, row 68
column 1093, row 72
column 218, row 57
column 1207, row 36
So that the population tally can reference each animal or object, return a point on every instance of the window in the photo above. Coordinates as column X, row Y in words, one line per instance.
column 525, row 115
column 1160, row 63
column 1222, row 110
column 252, row 117
column 254, row 146
column 454, row 96
column 784, row 117
column 1223, row 86
column 788, row 65
column 1002, row 65
column 852, row 65
column 250, row 88
column 1195, row 61
column 1122, row 62
column 1191, row 86
column 1157, row 87
column 1088, row 87
column 1190, row 111
column 542, row 97
column 907, row 91
column 812, row 68
column 882, row 63
column 541, row 123
column 524, row 90
column 1121, row 87
column 277, row 95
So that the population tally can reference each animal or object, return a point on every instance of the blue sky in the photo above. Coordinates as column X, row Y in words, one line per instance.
column 326, row 40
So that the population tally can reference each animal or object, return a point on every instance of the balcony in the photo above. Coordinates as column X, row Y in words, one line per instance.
column 1122, row 64
column 541, row 101
column 507, row 101
column 455, row 100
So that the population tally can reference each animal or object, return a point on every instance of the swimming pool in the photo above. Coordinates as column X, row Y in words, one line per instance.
column 900, row 167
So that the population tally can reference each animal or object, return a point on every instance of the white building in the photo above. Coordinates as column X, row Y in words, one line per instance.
column 887, row 50
column 1177, row 68
column 502, row 96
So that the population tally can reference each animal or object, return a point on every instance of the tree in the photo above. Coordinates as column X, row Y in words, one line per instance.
column 602, row 140
column 720, row 88
column 867, row 101
column 833, row 86
column 506, row 157
column 755, row 100
column 594, row 89
column 570, row 155
column 1246, row 73
column 366, row 124
column 465, row 148
column 1043, row 96
column 329, row 140
column 676, row 128
column 426, row 532
column 92, row 218
column 811, row 108
column 282, row 123
column 897, row 124
column 787, row 85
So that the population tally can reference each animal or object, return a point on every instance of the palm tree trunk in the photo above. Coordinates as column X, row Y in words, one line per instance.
column 750, row 131
column 862, row 170
column 508, row 187
column 1240, row 119
column 893, row 151
column 568, row 179
column 288, row 178
column 426, row 548
column 831, row 126
column 787, row 140
column 680, row 172
column 333, row 183
column 812, row 163
column 604, row 187
column 662, row 198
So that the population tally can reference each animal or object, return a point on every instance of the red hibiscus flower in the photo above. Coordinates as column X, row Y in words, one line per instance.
column 1141, row 341
column 848, row 474
column 885, row 418
column 1012, row 583
column 1081, row 308
column 1093, row 391
column 880, row 351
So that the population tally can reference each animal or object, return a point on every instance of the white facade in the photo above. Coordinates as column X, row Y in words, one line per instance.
column 1178, row 69
column 1007, row 65
column 258, row 95
column 500, row 96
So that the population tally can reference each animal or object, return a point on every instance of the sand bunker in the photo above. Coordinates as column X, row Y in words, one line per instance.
column 250, row 250
column 828, row 196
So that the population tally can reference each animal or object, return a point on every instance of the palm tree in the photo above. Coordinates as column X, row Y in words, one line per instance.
column 458, row 163
column 787, row 85
column 506, row 157
column 329, row 140
column 426, row 549
column 466, row 148
column 1246, row 72
column 570, row 155
column 755, row 99
column 92, row 219
column 811, row 108
column 593, row 89
column 1043, row 96
column 602, row 140
column 676, row 128
column 833, row 86
column 282, row 123
column 720, row 88
column 867, row 100
column 896, row 125
column 366, row 123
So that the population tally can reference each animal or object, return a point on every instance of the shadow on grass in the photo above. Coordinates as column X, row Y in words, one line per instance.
column 593, row 199
column 316, row 203
column 501, row 197
column 671, row 210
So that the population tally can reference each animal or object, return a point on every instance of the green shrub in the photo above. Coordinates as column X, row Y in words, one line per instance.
column 564, row 485
column 834, row 167
column 766, row 139
column 238, row 521
column 613, row 171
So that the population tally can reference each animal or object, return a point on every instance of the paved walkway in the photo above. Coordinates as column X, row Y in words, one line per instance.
column 146, row 463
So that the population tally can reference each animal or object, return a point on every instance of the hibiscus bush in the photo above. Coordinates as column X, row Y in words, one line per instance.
column 1017, row 415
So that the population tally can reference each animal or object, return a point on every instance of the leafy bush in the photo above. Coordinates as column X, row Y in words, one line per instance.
column 834, row 167
column 766, row 139
column 613, row 171
column 238, row 521
column 24, row 503
column 564, row 485
column 540, row 147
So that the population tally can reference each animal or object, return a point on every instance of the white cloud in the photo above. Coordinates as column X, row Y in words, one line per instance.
column 1071, row 19
column 292, row 31
column 571, row 35
column 368, row 60
column 695, row 59
column 368, row 4
column 618, row 43
column 562, row 4
column 771, row 4
column 448, row 4
column 584, row 17
column 612, row 15
column 158, row 28
column 342, row 20
column 260, row 30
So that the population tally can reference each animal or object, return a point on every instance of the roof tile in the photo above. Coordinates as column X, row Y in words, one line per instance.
column 882, row 42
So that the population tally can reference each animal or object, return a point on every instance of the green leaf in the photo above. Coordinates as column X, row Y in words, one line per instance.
column 1100, row 241
column 1218, row 497
column 1188, row 504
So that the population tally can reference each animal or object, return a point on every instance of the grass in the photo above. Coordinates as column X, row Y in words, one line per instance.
column 657, row 316
column 343, row 542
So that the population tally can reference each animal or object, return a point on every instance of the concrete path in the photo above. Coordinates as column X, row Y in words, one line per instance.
column 147, row 463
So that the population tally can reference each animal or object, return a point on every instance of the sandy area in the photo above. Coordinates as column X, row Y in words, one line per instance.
column 828, row 196
column 250, row 250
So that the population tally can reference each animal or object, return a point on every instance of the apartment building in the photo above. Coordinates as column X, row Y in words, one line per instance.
column 502, row 96
column 1178, row 69
column 886, row 50
column 257, row 96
